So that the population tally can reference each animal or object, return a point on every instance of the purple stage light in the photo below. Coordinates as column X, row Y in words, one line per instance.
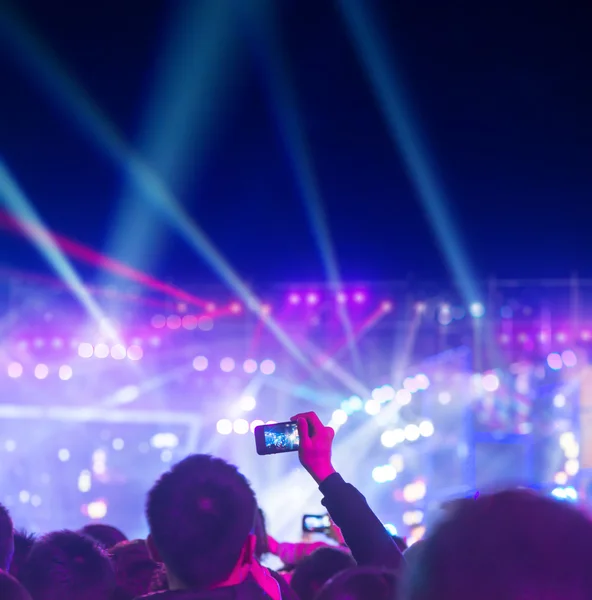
column 341, row 297
column 554, row 361
column 312, row 298
column 359, row 297
column 135, row 352
column 15, row 370
column 158, row 321
column 189, row 322
column 294, row 299
column 235, row 308
column 386, row 306
column 200, row 363
column 227, row 364
column 174, row 322
column 250, row 366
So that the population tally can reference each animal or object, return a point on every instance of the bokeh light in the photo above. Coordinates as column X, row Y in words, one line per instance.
column 411, row 432
column 189, row 322
column 65, row 372
column 312, row 298
column 372, row 407
column 294, row 298
column 569, row 358
column 227, row 365
column 490, row 382
column 477, row 310
column 118, row 352
column 241, row 426
column 359, row 297
column 247, row 403
column 85, row 350
column 403, row 397
column 339, row 417
column 200, row 363
column 174, row 321
column 135, row 352
column 426, row 428
column 256, row 423
column 267, row 367
column 101, row 350
column 41, row 371
column 205, row 323
column 554, row 361
column 158, row 321
column 224, row 426
column 250, row 366
column 97, row 510
column 15, row 370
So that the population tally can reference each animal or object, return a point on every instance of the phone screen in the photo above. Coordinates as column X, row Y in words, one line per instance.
column 315, row 523
column 276, row 438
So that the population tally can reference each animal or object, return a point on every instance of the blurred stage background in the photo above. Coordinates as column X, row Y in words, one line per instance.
column 432, row 400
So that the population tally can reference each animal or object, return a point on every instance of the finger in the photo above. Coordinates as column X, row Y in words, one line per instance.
column 313, row 420
column 303, row 430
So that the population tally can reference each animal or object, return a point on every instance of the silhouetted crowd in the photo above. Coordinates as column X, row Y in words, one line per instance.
column 207, row 540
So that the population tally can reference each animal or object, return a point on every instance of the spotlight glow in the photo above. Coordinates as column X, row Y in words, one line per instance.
column 384, row 473
column 235, row 308
column 41, row 371
column 554, row 361
column 135, row 352
column 403, row 397
column 386, row 306
column 426, row 428
column 359, row 297
column 294, row 299
column 267, row 367
column 97, row 510
column 241, row 426
column 85, row 350
column 118, row 352
column 412, row 432
column 189, row 322
column 388, row 439
column 569, row 358
column 250, row 366
column 312, row 298
column 477, row 310
column 490, row 382
column 248, row 403
column 372, row 407
column 410, row 384
column 444, row 398
column 158, row 321
column 339, row 417
column 341, row 297
column 256, row 423
column 422, row 381
column 101, row 350
column 227, row 365
column 15, row 370
column 224, row 427
column 200, row 363
column 559, row 401
column 65, row 372
column 174, row 322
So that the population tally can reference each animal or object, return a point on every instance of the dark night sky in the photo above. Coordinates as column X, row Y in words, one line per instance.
column 502, row 91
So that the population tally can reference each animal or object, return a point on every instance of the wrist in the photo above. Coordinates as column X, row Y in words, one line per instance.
column 321, row 472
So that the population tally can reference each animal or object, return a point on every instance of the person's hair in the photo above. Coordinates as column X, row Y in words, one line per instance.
column 6, row 538
column 262, row 546
column 11, row 589
column 361, row 583
column 106, row 536
column 511, row 544
column 23, row 542
column 65, row 565
column 201, row 514
column 133, row 566
column 312, row 572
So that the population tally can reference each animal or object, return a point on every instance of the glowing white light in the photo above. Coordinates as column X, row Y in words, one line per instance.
column 248, row 403
column 10, row 445
column 127, row 394
column 166, row 456
column 227, row 365
column 384, row 473
column 64, row 454
column 355, row 403
column 97, row 510
column 15, row 370
column 560, row 478
column 554, row 361
column 135, row 352
column 241, row 426
column 250, row 366
column 24, row 496
column 569, row 358
column 397, row 461
column 85, row 481
column 388, row 439
column 412, row 517
column 65, row 372
column 490, row 382
column 312, row 298
column 267, row 367
column 411, row 432
column 390, row 528
column 359, row 297
column 235, row 308
column 164, row 440
column 118, row 352
column 101, row 351
column 572, row 466
column 372, row 407
column 559, row 401
column 200, row 363
column 410, row 385
column 35, row 501
column 339, row 417
column 566, row 439
column 41, row 371
column 256, row 423
column 294, row 299
column 386, row 306
column 444, row 397
column 118, row 444
column 572, row 450
column 477, row 310
column 426, row 428
column 403, row 397
column 420, row 307
column 422, row 381
column 388, row 392
column 224, row 427
column 85, row 350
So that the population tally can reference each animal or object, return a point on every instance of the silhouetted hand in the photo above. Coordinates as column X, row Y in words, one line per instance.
column 266, row 581
column 315, row 446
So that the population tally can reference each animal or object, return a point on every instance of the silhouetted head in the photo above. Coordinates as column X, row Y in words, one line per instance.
column 360, row 583
column 134, row 569
column 66, row 565
column 23, row 542
column 508, row 545
column 105, row 535
column 315, row 570
column 202, row 517
column 6, row 539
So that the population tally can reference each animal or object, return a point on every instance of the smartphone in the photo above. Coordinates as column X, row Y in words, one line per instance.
column 316, row 523
column 276, row 438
